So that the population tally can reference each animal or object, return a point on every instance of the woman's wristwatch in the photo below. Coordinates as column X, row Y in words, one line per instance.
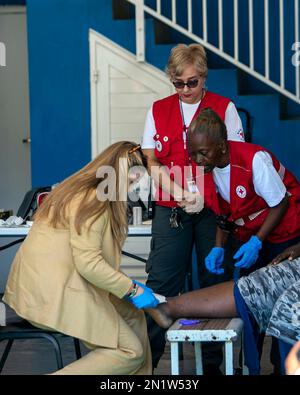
column 132, row 293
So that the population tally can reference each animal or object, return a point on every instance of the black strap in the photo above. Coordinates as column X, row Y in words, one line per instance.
column 138, row 258
column 11, row 244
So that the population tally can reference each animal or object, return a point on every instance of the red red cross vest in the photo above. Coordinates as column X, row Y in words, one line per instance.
column 246, row 208
column 169, row 143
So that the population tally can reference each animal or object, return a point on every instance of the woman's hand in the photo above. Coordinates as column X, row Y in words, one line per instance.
column 248, row 253
column 290, row 253
column 192, row 202
column 214, row 260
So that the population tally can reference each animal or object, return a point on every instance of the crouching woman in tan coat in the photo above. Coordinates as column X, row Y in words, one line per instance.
column 66, row 274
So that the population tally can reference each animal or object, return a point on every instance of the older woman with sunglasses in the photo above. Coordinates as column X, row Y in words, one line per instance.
column 66, row 275
column 180, row 219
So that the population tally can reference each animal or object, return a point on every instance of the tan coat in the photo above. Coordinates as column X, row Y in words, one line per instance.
column 63, row 280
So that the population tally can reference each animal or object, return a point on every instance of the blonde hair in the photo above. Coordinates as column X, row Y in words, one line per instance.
column 184, row 55
column 84, row 183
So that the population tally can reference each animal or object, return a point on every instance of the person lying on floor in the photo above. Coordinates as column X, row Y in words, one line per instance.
column 267, row 300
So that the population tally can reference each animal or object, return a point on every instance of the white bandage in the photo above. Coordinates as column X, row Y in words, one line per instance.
column 160, row 298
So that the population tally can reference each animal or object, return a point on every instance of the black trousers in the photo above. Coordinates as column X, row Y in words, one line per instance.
column 170, row 261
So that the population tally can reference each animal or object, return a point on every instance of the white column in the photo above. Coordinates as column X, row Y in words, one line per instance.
column 229, row 358
column 190, row 14
column 236, row 30
column 220, row 23
column 198, row 358
column 297, row 38
column 140, row 30
column 251, row 35
column 267, row 40
column 204, row 17
column 281, row 22
column 174, row 358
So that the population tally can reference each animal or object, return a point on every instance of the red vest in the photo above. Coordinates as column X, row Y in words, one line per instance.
column 169, row 143
column 246, row 208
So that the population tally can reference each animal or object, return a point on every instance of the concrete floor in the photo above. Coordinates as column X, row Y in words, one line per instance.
column 36, row 357
column 187, row 366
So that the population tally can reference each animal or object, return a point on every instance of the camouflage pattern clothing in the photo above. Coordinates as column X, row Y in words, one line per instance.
column 272, row 295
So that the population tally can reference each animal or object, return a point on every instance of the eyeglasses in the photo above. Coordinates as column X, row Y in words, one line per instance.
column 190, row 84
column 136, row 148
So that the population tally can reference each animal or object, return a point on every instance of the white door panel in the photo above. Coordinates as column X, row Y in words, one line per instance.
column 121, row 115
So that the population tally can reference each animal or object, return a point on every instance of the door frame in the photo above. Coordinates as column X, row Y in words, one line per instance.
column 13, row 9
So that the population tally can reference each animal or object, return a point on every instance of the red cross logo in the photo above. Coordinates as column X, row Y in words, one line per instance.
column 241, row 191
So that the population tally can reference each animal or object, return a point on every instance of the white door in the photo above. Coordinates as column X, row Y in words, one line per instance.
column 15, row 178
column 122, row 91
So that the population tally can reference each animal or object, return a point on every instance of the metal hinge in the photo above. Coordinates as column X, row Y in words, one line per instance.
column 96, row 76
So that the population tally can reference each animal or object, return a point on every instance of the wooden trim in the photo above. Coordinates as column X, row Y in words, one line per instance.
column 13, row 9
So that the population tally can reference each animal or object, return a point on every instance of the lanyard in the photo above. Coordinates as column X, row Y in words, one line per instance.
column 190, row 180
column 184, row 128
column 191, row 184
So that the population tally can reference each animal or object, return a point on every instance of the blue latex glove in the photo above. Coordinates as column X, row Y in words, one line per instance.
column 248, row 253
column 214, row 260
column 145, row 300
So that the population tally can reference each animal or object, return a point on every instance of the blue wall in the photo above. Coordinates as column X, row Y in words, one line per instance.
column 59, row 90
column 59, row 81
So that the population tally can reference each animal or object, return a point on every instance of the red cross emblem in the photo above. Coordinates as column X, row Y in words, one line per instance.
column 241, row 191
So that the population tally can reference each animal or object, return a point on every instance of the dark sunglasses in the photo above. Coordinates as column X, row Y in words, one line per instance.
column 189, row 84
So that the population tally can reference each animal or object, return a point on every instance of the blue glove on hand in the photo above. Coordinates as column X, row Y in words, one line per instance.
column 248, row 253
column 214, row 260
column 145, row 300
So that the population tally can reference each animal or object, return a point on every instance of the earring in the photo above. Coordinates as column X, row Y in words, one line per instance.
column 223, row 151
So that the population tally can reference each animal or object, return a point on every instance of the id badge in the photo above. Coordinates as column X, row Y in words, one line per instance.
column 192, row 187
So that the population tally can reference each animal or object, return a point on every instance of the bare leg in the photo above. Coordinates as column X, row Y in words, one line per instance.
column 216, row 301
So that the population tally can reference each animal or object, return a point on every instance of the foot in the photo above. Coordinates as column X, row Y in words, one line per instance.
column 161, row 316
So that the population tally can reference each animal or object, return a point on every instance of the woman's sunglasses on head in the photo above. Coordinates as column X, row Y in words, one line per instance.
column 136, row 148
column 189, row 84
column 139, row 148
